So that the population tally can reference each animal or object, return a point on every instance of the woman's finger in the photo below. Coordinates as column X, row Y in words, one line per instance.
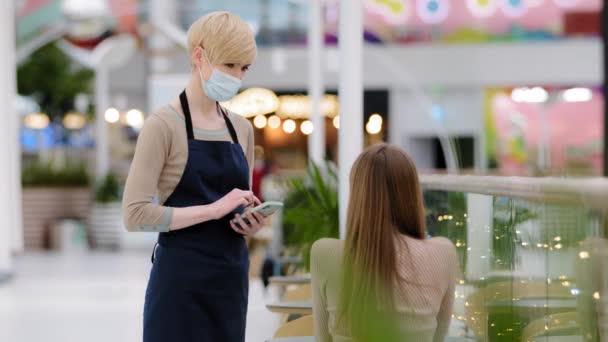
column 253, row 219
column 261, row 219
column 256, row 200
column 244, row 226
column 236, row 228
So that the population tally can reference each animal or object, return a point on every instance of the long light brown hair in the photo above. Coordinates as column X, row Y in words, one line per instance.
column 385, row 201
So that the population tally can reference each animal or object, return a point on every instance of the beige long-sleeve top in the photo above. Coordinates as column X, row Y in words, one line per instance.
column 423, row 299
column 159, row 161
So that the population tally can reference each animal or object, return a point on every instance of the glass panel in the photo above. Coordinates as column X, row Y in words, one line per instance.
column 528, row 271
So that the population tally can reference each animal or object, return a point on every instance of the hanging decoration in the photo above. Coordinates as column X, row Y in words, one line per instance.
column 513, row 8
column 566, row 3
column 433, row 11
column 395, row 12
column 534, row 3
column 482, row 8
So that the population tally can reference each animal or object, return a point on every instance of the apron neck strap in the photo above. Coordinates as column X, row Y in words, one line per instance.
column 183, row 99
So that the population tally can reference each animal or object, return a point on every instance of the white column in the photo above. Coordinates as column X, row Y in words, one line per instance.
column 14, row 125
column 7, row 143
column 544, row 150
column 316, row 141
column 351, row 97
column 162, row 12
column 102, row 147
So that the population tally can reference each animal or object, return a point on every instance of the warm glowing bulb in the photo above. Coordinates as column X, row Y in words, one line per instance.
column 112, row 115
column 289, row 126
column 373, row 127
column 306, row 127
column 337, row 122
column 74, row 121
column 37, row 121
column 577, row 95
column 274, row 121
column 530, row 95
column 135, row 118
column 260, row 121
column 377, row 118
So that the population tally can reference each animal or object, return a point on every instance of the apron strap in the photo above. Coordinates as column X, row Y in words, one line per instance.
column 183, row 99
column 235, row 138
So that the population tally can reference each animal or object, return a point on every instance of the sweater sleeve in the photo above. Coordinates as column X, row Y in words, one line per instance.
column 319, row 298
column 140, row 211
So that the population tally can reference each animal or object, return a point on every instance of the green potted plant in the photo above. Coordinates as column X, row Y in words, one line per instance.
column 311, row 210
column 105, row 222
column 52, row 193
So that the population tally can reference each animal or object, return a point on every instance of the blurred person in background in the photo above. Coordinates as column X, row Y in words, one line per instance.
column 199, row 159
column 259, row 171
column 386, row 281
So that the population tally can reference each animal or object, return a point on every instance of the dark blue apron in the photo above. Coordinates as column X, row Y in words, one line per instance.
column 199, row 285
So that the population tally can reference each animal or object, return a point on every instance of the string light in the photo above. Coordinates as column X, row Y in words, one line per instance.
column 260, row 121
column 37, row 121
column 306, row 127
column 112, row 115
column 274, row 122
column 74, row 120
column 577, row 95
column 289, row 126
column 529, row 95
column 135, row 118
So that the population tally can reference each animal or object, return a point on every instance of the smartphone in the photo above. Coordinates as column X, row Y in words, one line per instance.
column 265, row 209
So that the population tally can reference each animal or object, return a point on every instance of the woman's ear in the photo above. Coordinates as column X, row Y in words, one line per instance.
column 197, row 57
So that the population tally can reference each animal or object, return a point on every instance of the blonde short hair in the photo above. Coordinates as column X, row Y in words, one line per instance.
column 225, row 37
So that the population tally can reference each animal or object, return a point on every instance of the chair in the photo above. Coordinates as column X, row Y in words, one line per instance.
column 301, row 293
column 302, row 326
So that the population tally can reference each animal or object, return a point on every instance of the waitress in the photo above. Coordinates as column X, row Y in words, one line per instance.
column 197, row 158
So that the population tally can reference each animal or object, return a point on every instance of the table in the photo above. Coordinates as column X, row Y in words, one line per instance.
column 312, row 339
column 300, row 308
column 532, row 303
column 293, row 339
column 290, row 280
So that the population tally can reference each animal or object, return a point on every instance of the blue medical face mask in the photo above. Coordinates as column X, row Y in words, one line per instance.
column 220, row 86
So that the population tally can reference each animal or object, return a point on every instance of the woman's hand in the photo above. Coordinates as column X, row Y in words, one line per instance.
column 233, row 200
column 256, row 222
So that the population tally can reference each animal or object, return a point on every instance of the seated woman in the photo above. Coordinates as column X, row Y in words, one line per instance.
column 386, row 281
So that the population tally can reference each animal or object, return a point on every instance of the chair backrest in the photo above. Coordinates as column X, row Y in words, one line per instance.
column 302, row 326
column 302, row 293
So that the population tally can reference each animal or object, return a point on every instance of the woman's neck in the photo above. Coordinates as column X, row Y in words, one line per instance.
column 201, row 106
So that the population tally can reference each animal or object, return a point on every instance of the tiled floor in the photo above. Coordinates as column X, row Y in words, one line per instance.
column 92, row 297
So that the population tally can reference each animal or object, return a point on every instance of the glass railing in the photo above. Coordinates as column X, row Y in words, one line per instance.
column 533, row 256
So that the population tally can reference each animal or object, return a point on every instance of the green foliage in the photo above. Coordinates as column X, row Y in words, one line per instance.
column 311, row 210
column 108, row 190
column 40, row 174
column 508, row 215
column 50, row 76
column 446, row 215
